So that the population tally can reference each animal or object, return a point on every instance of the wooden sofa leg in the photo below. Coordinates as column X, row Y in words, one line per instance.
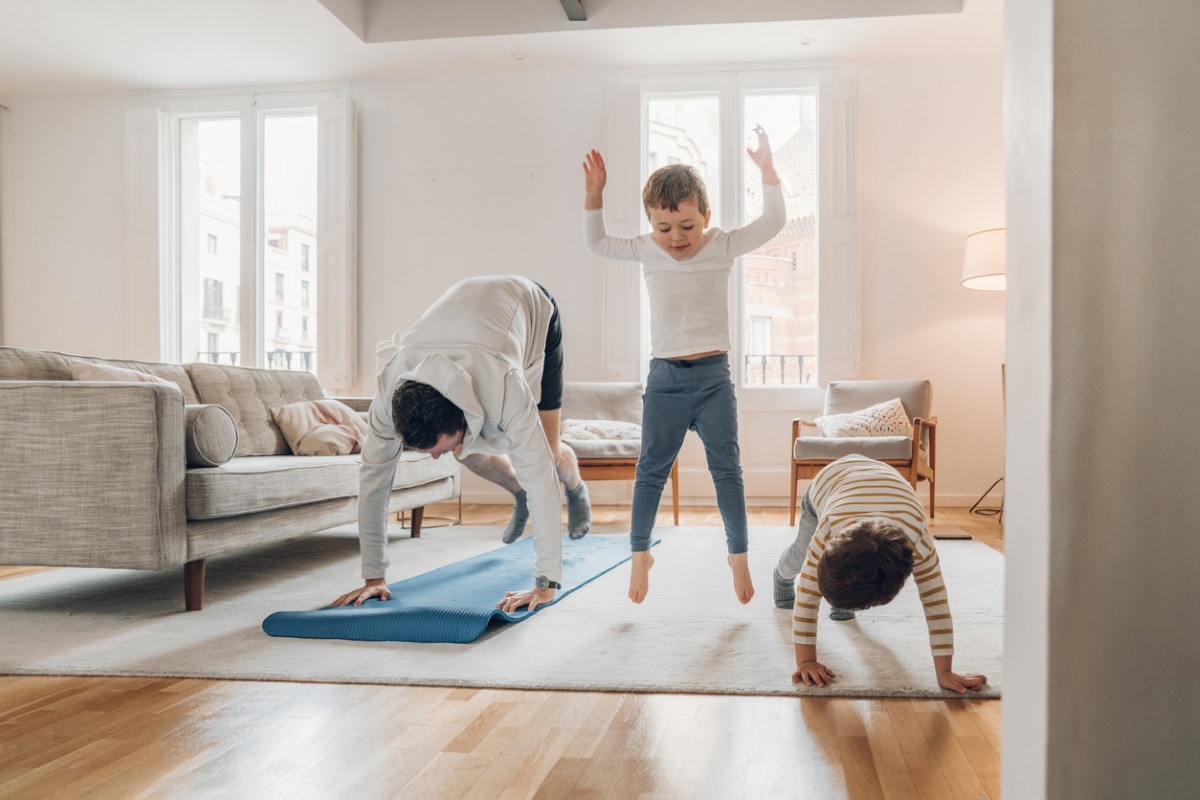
column 193, row 584
column 415, row 526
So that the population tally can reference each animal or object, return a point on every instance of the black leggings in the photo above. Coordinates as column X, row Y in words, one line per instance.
column 552, row 365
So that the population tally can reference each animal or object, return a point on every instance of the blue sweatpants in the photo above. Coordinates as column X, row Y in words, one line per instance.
column 681, row 396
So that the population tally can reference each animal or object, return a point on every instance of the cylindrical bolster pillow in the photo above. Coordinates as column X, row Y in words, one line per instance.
column 210, row 437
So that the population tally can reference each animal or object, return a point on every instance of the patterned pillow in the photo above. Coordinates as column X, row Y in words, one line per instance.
column 582, row 430
column 883, row 419
column 321, row 428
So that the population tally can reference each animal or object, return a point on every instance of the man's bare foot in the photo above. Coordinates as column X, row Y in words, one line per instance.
column 639, row 575
column 743, row 587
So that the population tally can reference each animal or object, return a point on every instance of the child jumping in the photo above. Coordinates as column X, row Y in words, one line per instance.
column 862, row 532
column 689, row 386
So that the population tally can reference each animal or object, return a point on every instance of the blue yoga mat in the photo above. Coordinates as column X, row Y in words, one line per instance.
column 455, row 603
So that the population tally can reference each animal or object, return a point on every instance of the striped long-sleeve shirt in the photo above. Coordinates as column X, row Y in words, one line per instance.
column 857, row 488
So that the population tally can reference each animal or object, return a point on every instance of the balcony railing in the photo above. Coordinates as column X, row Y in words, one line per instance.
column 779, row 370
column 218, row 356
column 216, row 312
column 305, row 360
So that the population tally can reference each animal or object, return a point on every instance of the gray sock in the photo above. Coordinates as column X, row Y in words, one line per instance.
column 579, row 511
column 520, row 515
column 785, row 591
column 841, row 614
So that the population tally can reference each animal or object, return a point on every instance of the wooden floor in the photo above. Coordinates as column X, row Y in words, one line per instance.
column 141, row 737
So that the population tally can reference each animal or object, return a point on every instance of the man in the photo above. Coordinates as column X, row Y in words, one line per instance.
column 479, row 375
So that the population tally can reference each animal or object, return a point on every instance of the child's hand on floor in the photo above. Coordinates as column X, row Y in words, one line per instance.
column 961, row 683
column 813, row 673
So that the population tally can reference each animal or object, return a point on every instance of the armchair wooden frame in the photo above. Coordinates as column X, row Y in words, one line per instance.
column 616, row 469
column 913, row 468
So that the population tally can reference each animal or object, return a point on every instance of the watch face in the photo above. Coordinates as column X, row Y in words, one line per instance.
column 543, row 582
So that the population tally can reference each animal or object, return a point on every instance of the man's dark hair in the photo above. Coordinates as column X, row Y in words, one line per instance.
column 421, row 414
column 865, row 565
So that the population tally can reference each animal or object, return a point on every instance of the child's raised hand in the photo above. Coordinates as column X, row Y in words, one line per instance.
column 594, row 178
column 762, row 156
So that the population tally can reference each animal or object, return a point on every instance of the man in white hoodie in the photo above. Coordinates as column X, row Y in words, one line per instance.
column 479, row 375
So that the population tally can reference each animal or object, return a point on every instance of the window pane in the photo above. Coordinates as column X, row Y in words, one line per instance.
column 210, row 266
column 781, row 276
column 289, row 240
column 686, row 130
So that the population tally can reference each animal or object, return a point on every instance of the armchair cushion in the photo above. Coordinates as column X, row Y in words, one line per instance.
column 882, row 419
column 881, row 448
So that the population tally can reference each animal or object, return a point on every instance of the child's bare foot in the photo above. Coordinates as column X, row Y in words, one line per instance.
column 743, row 587
column 639, row 575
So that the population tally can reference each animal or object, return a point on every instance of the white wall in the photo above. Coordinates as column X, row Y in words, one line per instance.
column 480, row 174
column 931, row 156
column 1102, row 639
column 64, row 241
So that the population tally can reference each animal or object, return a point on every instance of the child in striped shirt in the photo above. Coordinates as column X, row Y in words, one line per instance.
column 862, row 532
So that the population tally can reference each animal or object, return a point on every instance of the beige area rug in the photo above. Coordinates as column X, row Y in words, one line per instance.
column 691, row 634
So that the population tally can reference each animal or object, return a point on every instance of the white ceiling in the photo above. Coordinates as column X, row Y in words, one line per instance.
column 85, row 45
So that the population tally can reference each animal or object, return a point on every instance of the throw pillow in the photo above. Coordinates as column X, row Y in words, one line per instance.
column 882, row 419
column 87, row 371
column 587, row 429
column 321, row 428
column 210, row 437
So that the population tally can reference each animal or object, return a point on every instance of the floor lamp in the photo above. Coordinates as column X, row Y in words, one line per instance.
column 984, row 270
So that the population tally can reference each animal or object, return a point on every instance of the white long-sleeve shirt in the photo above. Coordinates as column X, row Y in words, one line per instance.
column 854, row 488
column 689, row 299
column 481, row 345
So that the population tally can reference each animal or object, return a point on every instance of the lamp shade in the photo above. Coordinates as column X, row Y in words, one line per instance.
column 984, row 260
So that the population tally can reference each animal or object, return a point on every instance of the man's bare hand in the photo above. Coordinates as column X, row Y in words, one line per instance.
column 514, row 601
column 372, row 588
column 813, row 673
column 961, row 683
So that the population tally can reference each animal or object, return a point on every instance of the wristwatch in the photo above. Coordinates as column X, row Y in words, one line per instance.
column 544, row 583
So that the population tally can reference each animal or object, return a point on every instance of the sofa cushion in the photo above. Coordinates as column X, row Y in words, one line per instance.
column 248, row 395
column 878, row 447
column 19, row 364
column 92, row 371
column 247, row 485
column 210, row 437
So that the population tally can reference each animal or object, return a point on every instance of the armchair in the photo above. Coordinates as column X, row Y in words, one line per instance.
column 915, row 458
column 602, row 458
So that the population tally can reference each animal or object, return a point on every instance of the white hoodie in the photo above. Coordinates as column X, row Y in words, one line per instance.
column 482, row 346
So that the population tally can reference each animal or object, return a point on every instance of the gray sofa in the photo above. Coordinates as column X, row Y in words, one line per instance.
column 134, row 476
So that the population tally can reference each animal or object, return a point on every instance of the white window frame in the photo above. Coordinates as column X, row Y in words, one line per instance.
column 626, row 106
column 152, row 214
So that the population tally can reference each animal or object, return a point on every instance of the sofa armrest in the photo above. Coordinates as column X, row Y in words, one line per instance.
column 359, row 404
column 93, row 474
